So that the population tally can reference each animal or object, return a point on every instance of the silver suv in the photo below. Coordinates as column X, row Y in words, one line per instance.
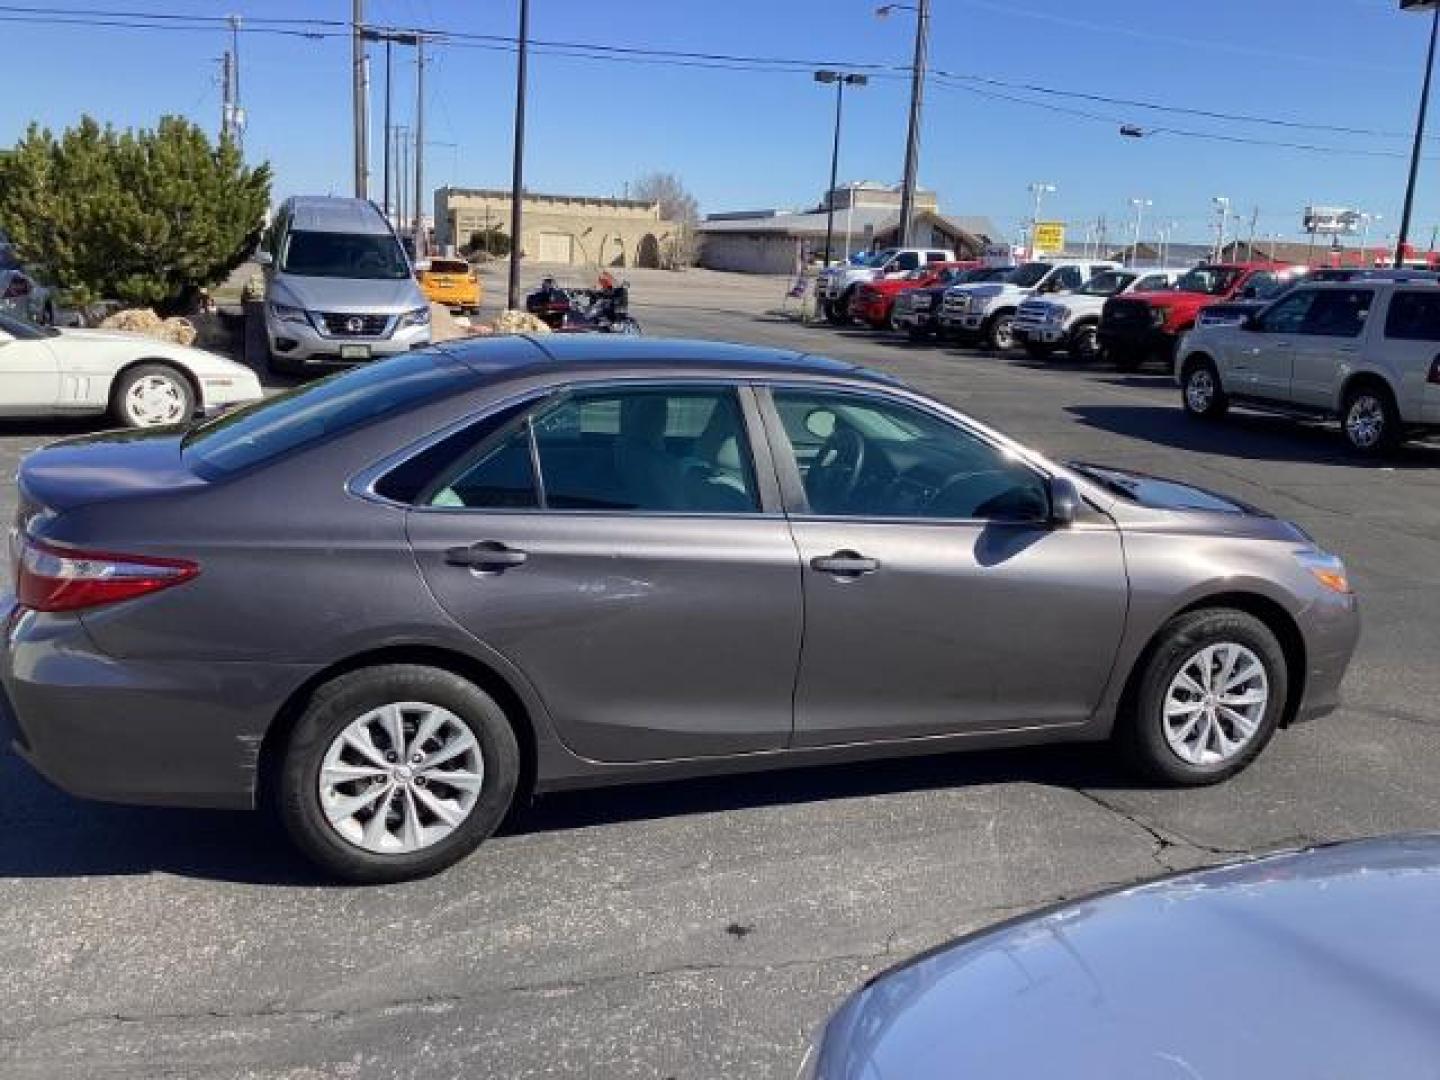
column 339, row 286
column 1365, row 352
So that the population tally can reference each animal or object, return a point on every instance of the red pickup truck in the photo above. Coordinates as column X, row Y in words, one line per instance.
column 874, row 302
column 1138, row 326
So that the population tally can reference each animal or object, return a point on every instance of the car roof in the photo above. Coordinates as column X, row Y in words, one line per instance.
column 332, row 213
column 501, row 359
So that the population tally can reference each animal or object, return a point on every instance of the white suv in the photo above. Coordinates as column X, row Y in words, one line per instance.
column 1365, row 352
column 987, row 312
column 1071, row 321
column 835, row 284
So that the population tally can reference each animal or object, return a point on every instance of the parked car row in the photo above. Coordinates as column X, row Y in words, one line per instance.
column 1353, row 344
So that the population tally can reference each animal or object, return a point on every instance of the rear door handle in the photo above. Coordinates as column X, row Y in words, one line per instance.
column 487, row 557
column 847, row 564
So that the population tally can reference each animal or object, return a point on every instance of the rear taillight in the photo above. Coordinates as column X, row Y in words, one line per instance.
column 1434, row 377
column 51, row 578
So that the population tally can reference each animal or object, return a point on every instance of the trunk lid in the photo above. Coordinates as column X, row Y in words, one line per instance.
column 99, row 468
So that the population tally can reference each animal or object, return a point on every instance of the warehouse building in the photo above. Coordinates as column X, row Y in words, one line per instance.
column 574, row 230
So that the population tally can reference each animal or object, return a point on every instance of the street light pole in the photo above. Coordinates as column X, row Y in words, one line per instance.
column 357, row 89
column 388, row 44
column 1139, row 205
column 1039, row 189
column 1222, row 214
column 517, row 177
column 840, row 79
column 917, row 97
column 420, row 244
column 1403, row 236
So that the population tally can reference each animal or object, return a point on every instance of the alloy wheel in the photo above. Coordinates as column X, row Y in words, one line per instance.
column 155, row 400
column 1215, row 704
column 1200, row 390
column 1365, row 421
column 401, row 778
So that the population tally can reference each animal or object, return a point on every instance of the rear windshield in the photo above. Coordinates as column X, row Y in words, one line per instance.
column 315, row 412
column 449, row 266
column 369, row 256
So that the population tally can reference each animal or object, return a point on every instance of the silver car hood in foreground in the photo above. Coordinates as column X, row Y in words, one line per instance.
column 1320, row 963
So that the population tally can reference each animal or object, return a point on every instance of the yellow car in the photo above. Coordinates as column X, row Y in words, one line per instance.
column 451, row 283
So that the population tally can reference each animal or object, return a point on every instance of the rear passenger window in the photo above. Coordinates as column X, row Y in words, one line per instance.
column 1338, row 312
column 499, row 476
column 1153, row 283
column 1414, row 316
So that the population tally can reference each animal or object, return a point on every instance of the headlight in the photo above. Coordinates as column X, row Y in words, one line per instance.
column 420, row 316
column 1057, row 315
column 1157, row 316
column 286, row 313
column 1327, row 569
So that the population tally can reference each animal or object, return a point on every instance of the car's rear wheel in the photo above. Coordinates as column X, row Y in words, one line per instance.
column 1201, row 392
column 1000, row 331
column 1209, row 698
column 152, row 395
column 1370, row 420
column 396, row 772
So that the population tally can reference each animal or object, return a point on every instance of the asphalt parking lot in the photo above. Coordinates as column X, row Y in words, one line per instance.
column 703, row 929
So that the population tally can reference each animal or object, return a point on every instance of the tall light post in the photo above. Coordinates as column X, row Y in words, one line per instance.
column 917, row 97
column 1038, row 191
column 1222, row 216
column 1403, row 237
column 1365, row 220
column 517, row 176
column 841, row 80
column 1139, row 206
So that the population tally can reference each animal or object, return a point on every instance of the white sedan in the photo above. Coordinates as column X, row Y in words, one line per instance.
column 137, row 380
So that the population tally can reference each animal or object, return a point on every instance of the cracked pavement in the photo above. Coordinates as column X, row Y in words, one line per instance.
column 703, row 929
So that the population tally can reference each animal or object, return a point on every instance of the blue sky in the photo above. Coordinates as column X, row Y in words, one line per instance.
column 761, row 138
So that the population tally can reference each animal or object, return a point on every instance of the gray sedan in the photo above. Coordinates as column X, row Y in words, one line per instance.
column 397, row 600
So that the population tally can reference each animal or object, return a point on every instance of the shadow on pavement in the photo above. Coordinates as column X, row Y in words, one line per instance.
column 1243, row 435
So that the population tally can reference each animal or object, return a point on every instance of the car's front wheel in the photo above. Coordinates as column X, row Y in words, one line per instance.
column 1000, row 331
column 1201, row 392
column 1209, row 698
column 152, row 395
column 396, row 772
column 1085, row 343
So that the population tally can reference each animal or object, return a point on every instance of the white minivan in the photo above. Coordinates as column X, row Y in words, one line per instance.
column 339, row 287
column 1365, row 352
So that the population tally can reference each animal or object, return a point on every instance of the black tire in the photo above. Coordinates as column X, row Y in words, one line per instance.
column 1140, row 731
column 1042, row 353
column 1201, row 393
column 179, row 385
column 1369, row 419
column 338, row 703
column 999, row 331
column 1084, row 345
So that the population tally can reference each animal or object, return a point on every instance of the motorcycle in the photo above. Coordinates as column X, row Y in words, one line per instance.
column 604, row 310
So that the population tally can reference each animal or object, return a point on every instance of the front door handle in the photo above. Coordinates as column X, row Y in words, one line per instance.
column 486, row 557
column 846, row 564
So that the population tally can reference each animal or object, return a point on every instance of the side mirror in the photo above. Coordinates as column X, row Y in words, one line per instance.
column 1064, row 502
column 264, row 258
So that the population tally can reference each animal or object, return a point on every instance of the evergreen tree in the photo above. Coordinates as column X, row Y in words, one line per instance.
column 137, row 216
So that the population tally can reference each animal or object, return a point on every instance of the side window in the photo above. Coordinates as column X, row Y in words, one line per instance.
column 1287, row 316
column 1339, row 312
column 1152, row 283
column 677, row 450
column 1260, row 286
column 864, row 456
column 934, row 256
column 906, row 260
column 1414, row 316
column 1070, row 278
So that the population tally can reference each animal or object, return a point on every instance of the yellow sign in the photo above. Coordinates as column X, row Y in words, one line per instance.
column 1049, row 237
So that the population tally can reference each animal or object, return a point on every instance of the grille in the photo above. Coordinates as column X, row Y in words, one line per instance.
column 956, row 303
column 1032, row 313
column 349, row 324
column 1127, row 312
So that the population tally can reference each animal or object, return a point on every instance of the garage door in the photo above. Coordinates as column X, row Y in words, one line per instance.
column 556, row 247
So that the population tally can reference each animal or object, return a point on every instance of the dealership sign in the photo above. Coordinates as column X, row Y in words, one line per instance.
column 1049, row 237
column 1332, row 220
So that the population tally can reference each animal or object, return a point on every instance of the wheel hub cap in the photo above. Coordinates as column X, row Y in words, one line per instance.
column 1215, row 704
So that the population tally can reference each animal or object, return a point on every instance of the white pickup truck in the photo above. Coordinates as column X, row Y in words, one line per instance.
column 1072, row 321
column 834, row 284
column 987, row 312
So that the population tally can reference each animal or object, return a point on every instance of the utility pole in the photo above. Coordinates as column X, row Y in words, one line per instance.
column 402, row 171
column 1222, row 215
column 358, row 95
column 1403, row 237
column 912, row 138
column 1254, row 224
column 517, row 177
column 420, row 246
column 1139, row 205
column 227, row 107
column 389, row 134
column 237, row 111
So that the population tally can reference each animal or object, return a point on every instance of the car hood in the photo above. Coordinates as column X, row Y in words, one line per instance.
column 1139, row 499
column 1316, row 963
column 346, row 294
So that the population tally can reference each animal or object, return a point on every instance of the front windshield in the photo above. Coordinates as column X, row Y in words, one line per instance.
column 1210, row 280
column 23, row 329
column 370, row 256
column 1106, row 284
column 1030, row 274
column 985, row 273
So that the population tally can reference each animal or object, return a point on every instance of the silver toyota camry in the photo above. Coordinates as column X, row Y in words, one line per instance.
column 397, row 600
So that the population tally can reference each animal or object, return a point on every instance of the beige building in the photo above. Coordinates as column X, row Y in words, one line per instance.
column 577, row 230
